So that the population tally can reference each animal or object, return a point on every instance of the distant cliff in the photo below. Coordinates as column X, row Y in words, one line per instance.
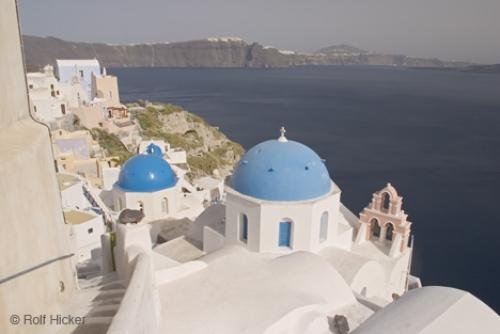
column 349, row 55
column 483, row 68
column 221, row 52
column 212, row 52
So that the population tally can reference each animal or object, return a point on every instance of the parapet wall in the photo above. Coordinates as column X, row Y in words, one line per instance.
column 139, row 310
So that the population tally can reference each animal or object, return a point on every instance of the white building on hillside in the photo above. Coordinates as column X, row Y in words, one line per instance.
column 47, row 100
column 85, row 230
column 174, row 156
column 147, row 182
column 68, row 70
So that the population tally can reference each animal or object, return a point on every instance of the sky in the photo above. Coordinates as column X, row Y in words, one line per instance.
column 465, row 30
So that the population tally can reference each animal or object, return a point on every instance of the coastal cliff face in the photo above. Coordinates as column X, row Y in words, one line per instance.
column 40, row 51
column 212, row 52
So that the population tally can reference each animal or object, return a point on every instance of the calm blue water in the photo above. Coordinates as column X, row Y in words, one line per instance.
column 435, row 135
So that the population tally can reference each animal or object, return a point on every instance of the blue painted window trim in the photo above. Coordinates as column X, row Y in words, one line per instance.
column 285, row 234
column 244, row 228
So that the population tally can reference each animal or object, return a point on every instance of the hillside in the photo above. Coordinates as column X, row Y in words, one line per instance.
column 211, row 52
column 208, row 149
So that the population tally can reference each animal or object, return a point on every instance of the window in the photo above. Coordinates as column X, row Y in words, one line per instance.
column 164, row 205
column 34, row 108
column 90, row 230
column 375, row 227
column 141, row 206
column 81, row 73
column 285, row 233
column 30, row 86
column 323, row 227
column 386, row 202
column 244, row 228
column 389, row 231
column 63, row 109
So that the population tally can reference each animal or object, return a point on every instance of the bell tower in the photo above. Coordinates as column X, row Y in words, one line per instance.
column 383, row 221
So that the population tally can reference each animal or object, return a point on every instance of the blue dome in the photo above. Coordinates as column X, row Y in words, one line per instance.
column 154, row 149
column 278, row 170
column 146, row 173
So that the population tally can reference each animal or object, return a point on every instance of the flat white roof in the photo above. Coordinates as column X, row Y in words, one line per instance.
column 433, row 310
column 75, row 217
column 246, row 292
column 78, row 62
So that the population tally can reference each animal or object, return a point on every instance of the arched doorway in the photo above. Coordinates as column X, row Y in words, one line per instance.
column 389, row 232
column 375, row 228
column 285, row 233
column 164, row 205
column 323, row 227
column 244, row 228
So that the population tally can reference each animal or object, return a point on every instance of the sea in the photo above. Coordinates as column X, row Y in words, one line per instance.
column 433, row 134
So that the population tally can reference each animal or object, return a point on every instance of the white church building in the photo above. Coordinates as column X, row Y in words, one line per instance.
column 282, row 254
column 147, row 183
column 281, row 199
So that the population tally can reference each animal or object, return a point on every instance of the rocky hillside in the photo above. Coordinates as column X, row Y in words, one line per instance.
column 212, row 52
column 210, row 152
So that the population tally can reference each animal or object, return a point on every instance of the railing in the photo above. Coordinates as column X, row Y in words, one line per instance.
column 33, row 268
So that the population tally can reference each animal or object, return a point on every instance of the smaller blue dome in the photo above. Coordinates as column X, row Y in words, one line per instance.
column 146, row 173
column 154, row 150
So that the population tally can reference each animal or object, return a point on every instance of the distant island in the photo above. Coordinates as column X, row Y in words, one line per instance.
column 212, row 52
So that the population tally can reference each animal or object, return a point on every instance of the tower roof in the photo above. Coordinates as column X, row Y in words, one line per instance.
column 146, row 173
column 281, row 170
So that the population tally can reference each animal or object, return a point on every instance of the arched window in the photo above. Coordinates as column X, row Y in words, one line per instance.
column 164, row 205
column 243, row 228
column 285, row 233
column 386, row 201
column 375, row 227
column 141, row 206
column 323, row 227
column 389, row 231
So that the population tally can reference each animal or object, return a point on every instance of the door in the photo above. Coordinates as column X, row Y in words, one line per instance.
column 285, row 233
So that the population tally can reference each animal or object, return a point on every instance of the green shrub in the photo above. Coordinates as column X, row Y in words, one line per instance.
column 195, row 119
column 206, row 163
column 168, row 109
column 111, row 144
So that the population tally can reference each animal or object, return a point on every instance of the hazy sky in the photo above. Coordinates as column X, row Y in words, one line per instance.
column 466, row 30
